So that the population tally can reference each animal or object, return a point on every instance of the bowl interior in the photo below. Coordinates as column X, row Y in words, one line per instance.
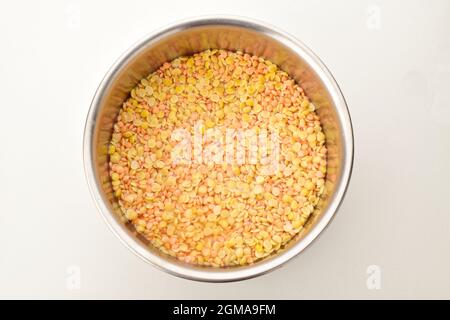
column 189, row 38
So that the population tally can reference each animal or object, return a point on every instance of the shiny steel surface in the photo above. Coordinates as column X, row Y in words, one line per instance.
column 192, row 36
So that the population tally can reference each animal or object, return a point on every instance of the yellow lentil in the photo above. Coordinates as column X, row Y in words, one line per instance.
column 217, row 214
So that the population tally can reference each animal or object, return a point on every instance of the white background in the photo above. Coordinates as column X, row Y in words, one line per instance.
column 392, row 61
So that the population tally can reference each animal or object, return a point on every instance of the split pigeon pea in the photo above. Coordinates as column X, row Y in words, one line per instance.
column 211, row 213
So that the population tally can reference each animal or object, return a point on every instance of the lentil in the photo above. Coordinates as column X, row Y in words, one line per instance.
column 217, row 214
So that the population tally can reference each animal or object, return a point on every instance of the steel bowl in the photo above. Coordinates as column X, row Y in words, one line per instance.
column 230, row 33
